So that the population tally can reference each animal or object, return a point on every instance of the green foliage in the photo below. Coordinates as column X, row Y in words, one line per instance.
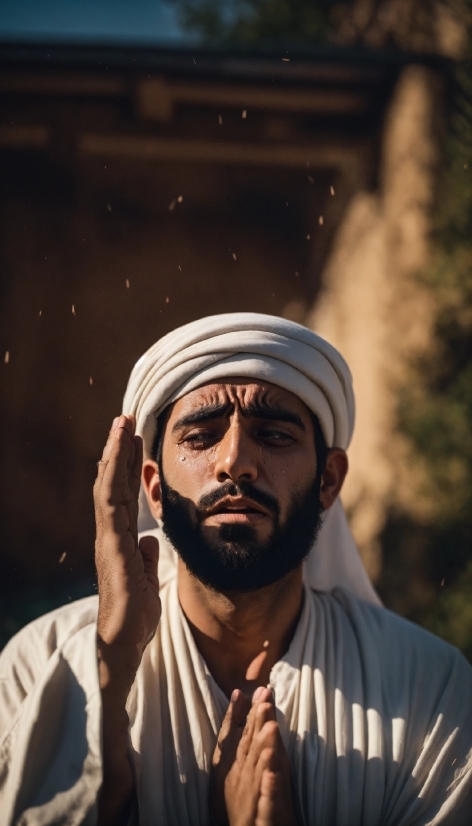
column 252, row 23
column 436, row 411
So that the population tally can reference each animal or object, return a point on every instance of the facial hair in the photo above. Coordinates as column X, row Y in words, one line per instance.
column 238, row 561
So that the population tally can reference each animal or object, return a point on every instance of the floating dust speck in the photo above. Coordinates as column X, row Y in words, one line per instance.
column 127, row 283
column 312, row 180
column 109, row 207
column 62, row 557
column 286, row 60
column 220, row 120
column 91, row 381
column 297, row 273
column 466, row 166
column 331, row 189
column 73, row 309
column 180, row 268
column 265, row 644
column 7, row 357
column 321, row 220
column 175, row 201
column 167, row 299
column 442, row 583
column 234, row 256
column 244, row 114
column 40, row 314
column 308, row 237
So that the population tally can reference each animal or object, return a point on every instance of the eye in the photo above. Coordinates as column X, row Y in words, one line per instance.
column 275, row 437
column 201, row 439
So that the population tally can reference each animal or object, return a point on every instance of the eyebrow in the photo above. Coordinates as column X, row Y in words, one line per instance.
column 255, row 410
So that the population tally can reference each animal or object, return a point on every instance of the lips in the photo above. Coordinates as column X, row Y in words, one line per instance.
column 237, row 504
column 236, row 509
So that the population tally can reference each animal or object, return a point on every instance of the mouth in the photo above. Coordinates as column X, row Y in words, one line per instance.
column 236, row 510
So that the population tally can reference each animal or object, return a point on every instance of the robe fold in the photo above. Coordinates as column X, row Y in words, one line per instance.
column 375, row 714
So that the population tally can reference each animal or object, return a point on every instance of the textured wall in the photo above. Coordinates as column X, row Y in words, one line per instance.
column 373, row 308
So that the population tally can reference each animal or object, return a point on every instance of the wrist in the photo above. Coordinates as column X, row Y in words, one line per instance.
column 116, row 673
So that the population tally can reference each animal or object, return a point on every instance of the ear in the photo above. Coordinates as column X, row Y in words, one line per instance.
column 152, row 487
column 333, row 476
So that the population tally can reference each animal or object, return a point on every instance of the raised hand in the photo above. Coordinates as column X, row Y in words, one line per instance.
column 251, row 781
column 129, row 607
column 128, row 588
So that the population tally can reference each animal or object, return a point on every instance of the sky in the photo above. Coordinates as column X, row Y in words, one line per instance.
column 87, row 21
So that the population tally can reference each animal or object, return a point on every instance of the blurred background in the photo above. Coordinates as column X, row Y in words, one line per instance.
column 161, row 160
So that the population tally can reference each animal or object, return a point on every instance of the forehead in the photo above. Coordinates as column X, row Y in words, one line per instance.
column 240, row 392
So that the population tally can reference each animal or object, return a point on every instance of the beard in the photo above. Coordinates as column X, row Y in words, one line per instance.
column 237, row 560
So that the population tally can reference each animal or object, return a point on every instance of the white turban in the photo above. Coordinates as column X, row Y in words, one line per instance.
column 271, row 349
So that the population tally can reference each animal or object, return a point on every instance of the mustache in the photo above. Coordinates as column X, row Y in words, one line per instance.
column 246, row 489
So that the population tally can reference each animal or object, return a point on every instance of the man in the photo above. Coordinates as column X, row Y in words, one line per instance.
column 247, row 687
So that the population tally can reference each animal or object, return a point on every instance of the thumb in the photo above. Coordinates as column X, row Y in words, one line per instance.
column 149, row 547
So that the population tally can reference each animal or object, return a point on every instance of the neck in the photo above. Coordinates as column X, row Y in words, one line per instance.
column 241, row 636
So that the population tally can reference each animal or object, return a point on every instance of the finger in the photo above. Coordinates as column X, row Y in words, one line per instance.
column 265, row 713
column 113, row 498
column 275, row 803
column 149, row 547
column 262, row 736
column 263, row 705
column 261, row 695
column 119, row 422
column 230, row 730
column 118, row 459
column 246, row 737
column 101, row 465
column 131, row 424
column 269, row 791
column 136, row 467
column 269, row 736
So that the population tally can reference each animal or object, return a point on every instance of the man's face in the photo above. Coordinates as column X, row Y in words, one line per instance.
column 239, row 489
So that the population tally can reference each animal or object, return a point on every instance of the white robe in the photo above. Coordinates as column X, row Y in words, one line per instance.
column 375, row 713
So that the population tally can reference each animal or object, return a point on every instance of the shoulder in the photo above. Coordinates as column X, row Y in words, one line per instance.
column 405, row 657
column 25, row 656
column 383, row 625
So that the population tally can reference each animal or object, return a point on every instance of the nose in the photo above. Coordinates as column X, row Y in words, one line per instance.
column 238, row 455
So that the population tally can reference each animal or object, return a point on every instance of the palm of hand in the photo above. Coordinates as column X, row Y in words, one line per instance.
column 129, row 604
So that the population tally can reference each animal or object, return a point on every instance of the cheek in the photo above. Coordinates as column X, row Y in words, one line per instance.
column 290, row 476
column 188, row 472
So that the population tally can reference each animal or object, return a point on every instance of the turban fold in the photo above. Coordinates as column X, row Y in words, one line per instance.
column 265, row 348
column 243, row 344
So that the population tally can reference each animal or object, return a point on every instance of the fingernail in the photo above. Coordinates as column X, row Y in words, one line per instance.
column 257, row 693
column 234, row 696
column 115, row 422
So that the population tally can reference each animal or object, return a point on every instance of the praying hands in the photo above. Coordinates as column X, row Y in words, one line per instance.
column 251, row 782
